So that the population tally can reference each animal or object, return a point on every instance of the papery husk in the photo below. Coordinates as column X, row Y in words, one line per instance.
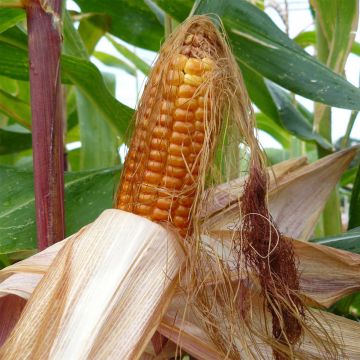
column 296, row 198
column 345, row 334
column 103, row 295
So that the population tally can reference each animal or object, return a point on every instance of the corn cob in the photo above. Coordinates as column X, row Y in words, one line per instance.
column 161, row 170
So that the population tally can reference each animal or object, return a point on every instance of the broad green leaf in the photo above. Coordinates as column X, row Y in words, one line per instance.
column 349, row 241
column 308, row 38
column 10, row 17
column 292, row 119
column 15, row 108
column 87, row 194
column 11, row 141
column 132, row 21
column 113, row 61
column 98, row 137
column 177, row 9
column 348, row 176
column 131, row 56
column 354, row 211
column 82, row 73
column 272, row 128
column 338, row 20
column 72, row 44
column 258, row 91
column 91, row 31
column 259, row 43
column 156, row 10
column 98, row 140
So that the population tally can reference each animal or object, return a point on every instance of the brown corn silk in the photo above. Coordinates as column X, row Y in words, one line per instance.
column 195, row 93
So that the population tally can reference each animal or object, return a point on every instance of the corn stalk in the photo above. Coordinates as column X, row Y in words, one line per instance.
column 43, row 19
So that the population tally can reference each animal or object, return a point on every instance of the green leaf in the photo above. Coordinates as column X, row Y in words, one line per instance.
column 354, row 211
column 132, row 21
column 87, row 194
column 177, row 9
column 91, row 31
column 80, row 72
column 349, row 241
column 348, row 177
column 15, row 108
column 292, row 119
column 73, row 44
column 338, row 20
column 272, row 128
column 10, row 17
column 308, row 38
column 258, row 91
column 11, row 141
column 113, row 61
column 98, row 140
column 259, row 43
column 138, row 62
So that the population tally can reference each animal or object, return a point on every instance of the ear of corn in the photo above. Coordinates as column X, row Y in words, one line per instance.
column 162, row 166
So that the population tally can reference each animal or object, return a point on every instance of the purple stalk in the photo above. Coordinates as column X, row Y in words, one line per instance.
column 43, row 20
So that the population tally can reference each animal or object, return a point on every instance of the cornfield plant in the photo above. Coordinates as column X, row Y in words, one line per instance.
column 289, row 218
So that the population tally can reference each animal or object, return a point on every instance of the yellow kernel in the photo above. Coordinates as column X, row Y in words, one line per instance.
column 155, row 166
column 194, row 67
column 198, row 136
column 152, row 177
column 146, row 198
column 199, row 125
column 187, row 200
column 183, row 127
column 180, row 138
column 208, row 63
column 125, row 198
column 179, row 150
column 172, row 182
column 159, row 144
column 180, row 221
column 193, row 80
column 179, row 62
column 176, row 161
column 189, row 180
column 183, row 115
column 171, row 92
column 158, row 155
column 148, row 189
column 159, row 214
column 142, row 209
column 199, row 114
column 186, row 91
column 167, row 107
column 165, row 120
column 187, row 104
column 204, row 104
column 161, row 131
column 175, row 77
column 164, row 203
column 129, row 175
column 175, row 171
column 196, row 148
column 182, row 211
